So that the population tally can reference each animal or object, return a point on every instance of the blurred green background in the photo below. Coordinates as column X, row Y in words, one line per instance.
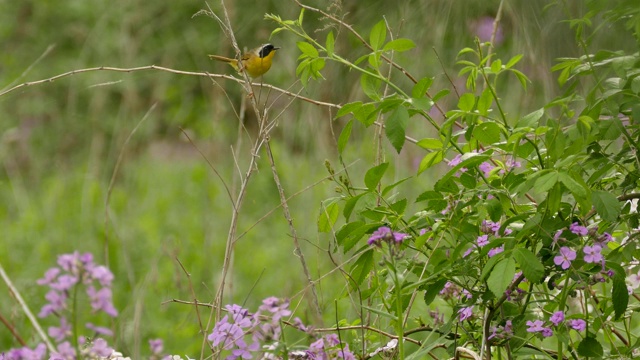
column 60, row 141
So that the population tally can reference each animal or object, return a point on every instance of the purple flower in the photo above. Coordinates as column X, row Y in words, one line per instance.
column 66, row 350
column 546, row 332
column 49, row 276
column 483, row 240
column 592, row 253
column 578, row 229
column 534, row 326
column 465, row 313
column 385, row 233
column 65, row 282
column 486, row 168
column 556, row 237
column 101, row 348
column 490, row 227
column 455, row 161
column 578, row 324
column 99, row 329
column 156, row 346
column 565, row 258
column 557, row 317
column 102, row 274
column 60, row 333
column 495, row 251
column 605, row 238
column 101, row 300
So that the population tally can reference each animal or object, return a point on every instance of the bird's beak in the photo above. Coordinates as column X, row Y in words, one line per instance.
column 276, row 48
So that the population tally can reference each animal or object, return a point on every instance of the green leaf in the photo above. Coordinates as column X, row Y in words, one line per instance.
column 487, row 133
column 577, row 189
column 371, row 86
column 610, row 129
column 468, row 160
column 619, row 295
column 466, row 102
column 329, row 212
column 433, row 290
column 365, row 114
column 590, row 347
column 530, row 120
column 344, row 136
column 388, row 188
column 421, row 87
column 514, row 60
column 308, row 49
column 399, row 45
column 429, row 160
column 350, row 204
column 496, row 66
column 530, row 265
column 395, row 125
column 378, row 35
column 330, row 43
column 349, row 108
column 606, row 204
column 501, row 276
column 484, row 102
column 374, row 175
column 429, row 195
column 546, row 181
column 361, row 267
column 399, row 206
column 431, row 144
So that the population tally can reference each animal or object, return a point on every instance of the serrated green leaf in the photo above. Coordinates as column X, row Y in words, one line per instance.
column 546, row 181
column 429, row 195
column 421, row 87
column 606, row 204
column 308, row 49
column 399, row 45
column 433, row 290
column 328, row 216
column 348, row 108
column 590, row 347
column 365, row 114
column 343, row 139
column 378, row 35
column 468, row 160
column 619, row 295
column 430, row 160
column 431, row 144
column 501, row 276
column 530, row 265
column 330, row 44
column 577, row 189
column 484, row 102
column 530, row 120
column 361, row 267
column 496, row 66
column 374, row 175
column 487, row 133
column 610, row 129
column 395, row 125
column 371, row 86
column 514, row 60
column 388, row 188
column 467, row 102
column 350, row 204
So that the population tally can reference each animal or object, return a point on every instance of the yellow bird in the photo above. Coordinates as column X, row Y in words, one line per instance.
column 256, row 62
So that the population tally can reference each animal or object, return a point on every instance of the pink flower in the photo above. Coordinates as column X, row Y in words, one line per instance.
column 565, row 258
column 592, row 253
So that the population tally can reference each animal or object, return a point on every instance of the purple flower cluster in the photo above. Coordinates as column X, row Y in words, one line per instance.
column 75, row 270
column 384, row 233
column 502, row 332
column 241, row 332
column 329, row 347
column 556, row 319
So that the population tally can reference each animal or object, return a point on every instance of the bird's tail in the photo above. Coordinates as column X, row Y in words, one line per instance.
column 232, row 62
